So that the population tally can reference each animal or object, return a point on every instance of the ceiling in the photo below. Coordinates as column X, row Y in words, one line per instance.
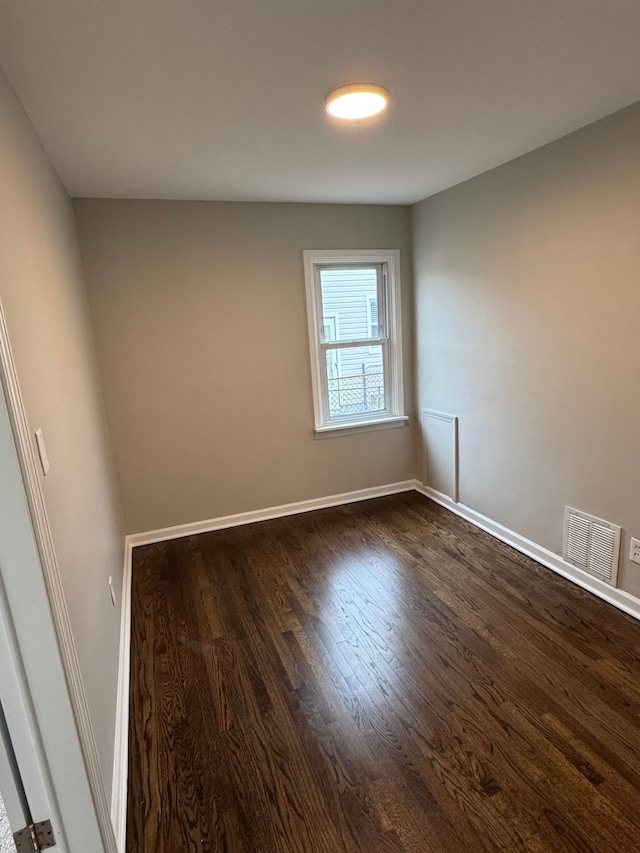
column 223, row 99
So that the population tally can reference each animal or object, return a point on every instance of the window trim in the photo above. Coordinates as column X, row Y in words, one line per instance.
column 393, row 415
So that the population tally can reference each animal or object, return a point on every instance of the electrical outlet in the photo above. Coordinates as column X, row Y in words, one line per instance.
column 112, row 591
column 634, row 551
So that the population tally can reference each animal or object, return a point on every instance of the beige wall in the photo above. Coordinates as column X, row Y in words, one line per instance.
column 42, row 294
column 200, row 322
column 527, row 319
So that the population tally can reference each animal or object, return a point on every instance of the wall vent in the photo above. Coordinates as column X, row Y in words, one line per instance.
column 592, row 544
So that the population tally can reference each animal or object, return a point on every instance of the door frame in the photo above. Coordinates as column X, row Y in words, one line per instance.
column 40, row 681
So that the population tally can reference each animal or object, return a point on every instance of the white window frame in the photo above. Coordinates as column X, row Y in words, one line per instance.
column 390, row 328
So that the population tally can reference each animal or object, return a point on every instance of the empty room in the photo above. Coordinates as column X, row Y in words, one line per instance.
column 320, row 426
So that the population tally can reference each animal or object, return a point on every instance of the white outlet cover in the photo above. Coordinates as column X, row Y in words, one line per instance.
column 634, row 551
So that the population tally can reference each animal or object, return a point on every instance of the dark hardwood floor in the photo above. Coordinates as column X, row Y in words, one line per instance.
column 380, row 677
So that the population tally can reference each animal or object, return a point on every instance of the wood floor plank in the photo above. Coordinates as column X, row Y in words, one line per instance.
column 380, row 677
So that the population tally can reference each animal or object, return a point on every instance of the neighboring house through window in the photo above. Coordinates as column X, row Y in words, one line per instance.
column 353, row 301
column 372, row 316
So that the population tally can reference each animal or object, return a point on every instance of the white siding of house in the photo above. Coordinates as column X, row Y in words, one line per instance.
column 345, row 296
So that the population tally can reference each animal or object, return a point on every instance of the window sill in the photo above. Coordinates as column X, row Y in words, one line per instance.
column 352, row 428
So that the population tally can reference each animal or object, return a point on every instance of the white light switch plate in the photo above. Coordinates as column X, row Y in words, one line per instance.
column 42, row 451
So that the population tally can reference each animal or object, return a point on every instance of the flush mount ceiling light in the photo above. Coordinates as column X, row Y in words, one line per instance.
column 358, row 101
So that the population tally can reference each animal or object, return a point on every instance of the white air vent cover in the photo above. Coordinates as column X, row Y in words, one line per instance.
column 592, row 544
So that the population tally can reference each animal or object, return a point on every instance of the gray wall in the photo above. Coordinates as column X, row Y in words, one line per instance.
column 527, row 309
column 200, row 322
column 44, row 301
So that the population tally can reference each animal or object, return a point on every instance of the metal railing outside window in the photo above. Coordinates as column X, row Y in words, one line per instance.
column 357, row 393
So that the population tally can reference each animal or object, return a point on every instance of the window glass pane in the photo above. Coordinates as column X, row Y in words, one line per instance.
column 355, row 381
column 348, row 296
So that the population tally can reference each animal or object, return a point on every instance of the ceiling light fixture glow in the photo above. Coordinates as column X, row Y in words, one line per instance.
column 358, row 101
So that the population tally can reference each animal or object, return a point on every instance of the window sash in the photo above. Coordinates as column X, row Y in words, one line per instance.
column 348, row 418
column 389, row 339
column 381, row 341
column 381, row 296
column 352, row 344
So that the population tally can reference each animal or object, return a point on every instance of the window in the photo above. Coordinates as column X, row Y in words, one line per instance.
column 353, row 304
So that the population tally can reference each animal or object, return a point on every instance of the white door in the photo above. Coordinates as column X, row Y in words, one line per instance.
column 14, row 810
column 40, row 687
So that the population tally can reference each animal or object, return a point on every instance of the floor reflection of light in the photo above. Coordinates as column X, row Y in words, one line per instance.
column 362, row 596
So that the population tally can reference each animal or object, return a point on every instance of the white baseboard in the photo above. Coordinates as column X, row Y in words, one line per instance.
column 121, row 749
column 622, row 600
column 211, row 524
